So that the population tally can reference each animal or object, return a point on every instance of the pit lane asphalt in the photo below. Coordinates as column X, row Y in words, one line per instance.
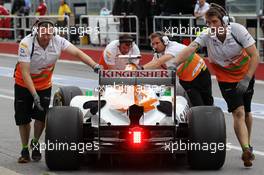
column 10, row 141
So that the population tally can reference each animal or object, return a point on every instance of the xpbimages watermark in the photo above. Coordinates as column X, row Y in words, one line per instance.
column 64, row 146
column 183, row 30
column 169, row 30
column 192, row 146
column 80, row 31
column 137, row 88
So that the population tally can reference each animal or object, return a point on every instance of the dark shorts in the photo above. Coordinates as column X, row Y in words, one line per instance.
column 24, row 108
column 199, row 90
column 233, row 99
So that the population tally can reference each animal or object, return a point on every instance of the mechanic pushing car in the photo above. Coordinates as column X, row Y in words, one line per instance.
column 123, row 46
column 234, row 59
column 38, row 53
column 193, row 73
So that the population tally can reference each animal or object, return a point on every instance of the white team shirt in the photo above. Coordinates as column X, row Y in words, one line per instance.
column 41, row 59
column 112, row 51
column 224, row 53
column 201, row 10
column 173, row 49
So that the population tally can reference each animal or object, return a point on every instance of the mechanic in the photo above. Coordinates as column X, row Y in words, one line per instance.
column 234, row 59
column 38, row 53
column 123, row 46
column 193, row 73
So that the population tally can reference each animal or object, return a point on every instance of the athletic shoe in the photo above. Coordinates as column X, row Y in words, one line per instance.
column 247, row 157
column 251, row 150
column 36, row 155
column 24, row 158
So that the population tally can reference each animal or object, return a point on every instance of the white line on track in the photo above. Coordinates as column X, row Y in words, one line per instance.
column 7, row 97
column 260, row 153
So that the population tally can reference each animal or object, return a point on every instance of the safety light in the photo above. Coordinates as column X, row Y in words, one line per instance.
column 136, row 135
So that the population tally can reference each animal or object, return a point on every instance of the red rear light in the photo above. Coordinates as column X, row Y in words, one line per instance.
column 136, row 135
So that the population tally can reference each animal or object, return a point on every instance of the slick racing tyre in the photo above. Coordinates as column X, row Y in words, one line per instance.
column 64, row 128
column 64, row 95
column 207, row 137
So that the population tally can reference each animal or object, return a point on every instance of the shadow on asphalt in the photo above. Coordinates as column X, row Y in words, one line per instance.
column 146, row 163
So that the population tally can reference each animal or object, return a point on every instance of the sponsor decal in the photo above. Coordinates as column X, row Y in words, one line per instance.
column 128, row 74
column 108, row 54
column 23, row 45
column 22, row 52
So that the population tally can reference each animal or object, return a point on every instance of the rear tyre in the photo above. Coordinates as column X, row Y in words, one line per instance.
column 206, row 129
column 64, row 128
column 65, row 94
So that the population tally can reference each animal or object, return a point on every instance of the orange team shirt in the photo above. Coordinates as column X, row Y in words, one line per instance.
column 42, row 62
column 191, row 68
column 188, row 70
column 229, row 59
column 41, row 81
column 233, row 72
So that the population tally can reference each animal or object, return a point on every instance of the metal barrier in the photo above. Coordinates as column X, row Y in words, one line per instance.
column 107, row 32
column 26, row 26
column 191, row 19
column 191, row 22
column 258, row 21
column 158, row 21
column 179, row 18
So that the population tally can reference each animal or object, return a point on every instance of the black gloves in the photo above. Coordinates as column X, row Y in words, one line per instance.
column 97, row 68
column 37, row 102
column 242, row 86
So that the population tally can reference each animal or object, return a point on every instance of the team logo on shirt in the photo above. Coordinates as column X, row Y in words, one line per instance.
column 23, row 49
column 108, row 54
column 22, row 52
column 23, row 45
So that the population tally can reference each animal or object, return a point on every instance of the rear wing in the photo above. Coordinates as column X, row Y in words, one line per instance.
column 137, row 77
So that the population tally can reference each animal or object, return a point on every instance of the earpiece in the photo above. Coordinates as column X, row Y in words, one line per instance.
column 34, row 31
column 225, row 20
column 164, row 39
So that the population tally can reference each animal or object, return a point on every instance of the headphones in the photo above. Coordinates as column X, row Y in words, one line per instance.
column 224, row 16
column 38, row 24
column 163, row 38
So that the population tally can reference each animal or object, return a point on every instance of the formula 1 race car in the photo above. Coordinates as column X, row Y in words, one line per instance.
column 133, row 112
